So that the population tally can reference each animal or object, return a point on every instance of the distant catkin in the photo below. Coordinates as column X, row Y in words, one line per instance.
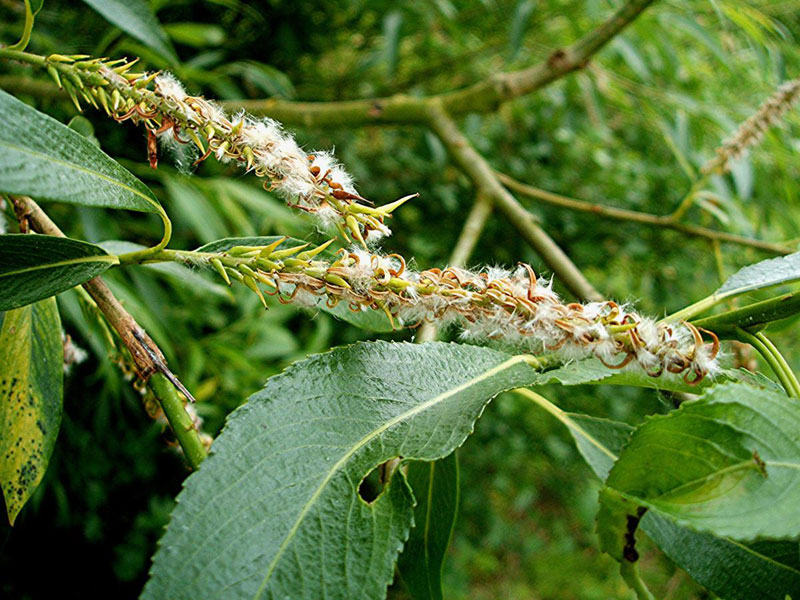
column 751, row 132
column 517, row 308
column 310, row 181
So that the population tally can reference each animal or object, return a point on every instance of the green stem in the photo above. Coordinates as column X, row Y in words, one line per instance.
column 698, row 308
column 752, row 316
column 633, row 216
column 757, row 341
column 178, row 418
column 630, row 573
column 791, row 377
column 26, row 57
column 688, row 199
column 148, row 253
column 28, row 28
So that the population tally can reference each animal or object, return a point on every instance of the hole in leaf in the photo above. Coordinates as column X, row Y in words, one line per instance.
column 374, row 482
column 372, row 485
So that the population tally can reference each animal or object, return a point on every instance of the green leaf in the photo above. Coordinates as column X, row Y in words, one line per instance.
column 520, row 19
column 31, row 379
column 136, row 18
column 33, row 267
column 730, row 569
column 197, row 35
column 43, row 158
column 764, row 274
column 435, row 486
column 194, row 209
column 392, row 24
column 727, row 464
column 274, row 512
column 371, row 320
column 267, row 78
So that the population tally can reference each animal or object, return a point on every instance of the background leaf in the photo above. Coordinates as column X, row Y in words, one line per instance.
column 42, row 158
column 436, row 489
column 33, row 267
column 138, row 19
column 31, row 374
column 275, row 510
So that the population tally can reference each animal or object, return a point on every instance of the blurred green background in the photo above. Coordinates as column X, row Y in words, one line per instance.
column 652, row 105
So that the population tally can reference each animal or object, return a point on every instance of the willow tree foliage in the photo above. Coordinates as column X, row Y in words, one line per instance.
column 341, row 470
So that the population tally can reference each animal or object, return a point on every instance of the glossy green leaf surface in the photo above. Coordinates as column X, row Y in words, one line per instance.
column 371, row 320
column 730, row 569
column 727, row 463
column 33, row 267
column 31, row 375
column 136, row 18
column 274, row 512
column 47, row 160
column 435, row 486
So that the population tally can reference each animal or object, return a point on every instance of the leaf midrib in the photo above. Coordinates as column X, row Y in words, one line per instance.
column 64, row 263
column 363, row 442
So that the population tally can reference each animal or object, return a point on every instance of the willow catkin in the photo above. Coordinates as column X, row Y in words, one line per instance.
column 310, row 181
column 516, row 307
column 751, row 132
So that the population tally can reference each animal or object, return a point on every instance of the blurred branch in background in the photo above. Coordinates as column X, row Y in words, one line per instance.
column 633, row 216
column 483, row 96
column 482, row 175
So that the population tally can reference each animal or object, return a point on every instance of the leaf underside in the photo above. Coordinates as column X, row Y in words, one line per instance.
column 767, row 273
column 435, row 486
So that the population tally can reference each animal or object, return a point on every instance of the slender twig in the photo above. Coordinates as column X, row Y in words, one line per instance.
column 146, row 355
column 790, row 376
column 484, row 96
column 688, row 200
column 485, row 180
column 622, row 214
column 784, row 374
column 473, row 227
